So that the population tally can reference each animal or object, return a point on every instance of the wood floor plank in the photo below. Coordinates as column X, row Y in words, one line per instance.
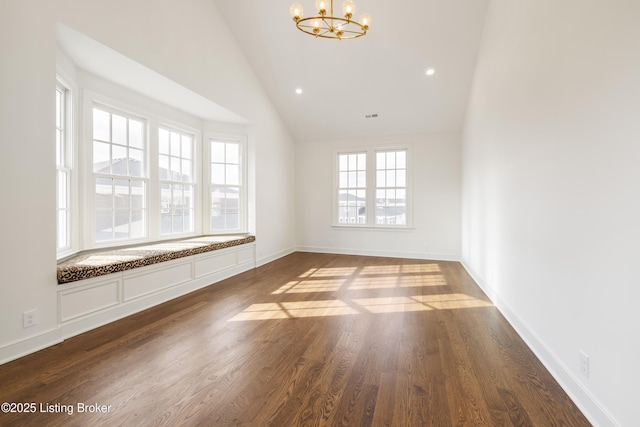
column 307, row 340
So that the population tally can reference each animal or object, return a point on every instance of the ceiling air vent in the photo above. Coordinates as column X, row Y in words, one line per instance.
column 371, row 116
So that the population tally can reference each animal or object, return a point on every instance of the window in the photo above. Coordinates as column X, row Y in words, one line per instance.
column 391, row 187
column 119, row 174
column 352, row 188
column 372, row 188
column 227, row 190
column 63, row 168
column 142, row 174
column 177, row 183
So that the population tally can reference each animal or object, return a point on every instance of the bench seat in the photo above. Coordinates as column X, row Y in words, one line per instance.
column 99, row 263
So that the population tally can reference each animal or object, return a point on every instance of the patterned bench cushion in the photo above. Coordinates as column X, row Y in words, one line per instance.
column 94, row 264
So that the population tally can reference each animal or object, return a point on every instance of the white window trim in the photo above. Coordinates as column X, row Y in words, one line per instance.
column 89, row 187
column 371, row 188
column 70, row 168
column 153, row 123
column 206, row 182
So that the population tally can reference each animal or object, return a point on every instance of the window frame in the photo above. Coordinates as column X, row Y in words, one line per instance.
column 371, row 187
column 143, row 178
column 67, row 165
column 196, row 159
column 243, row 210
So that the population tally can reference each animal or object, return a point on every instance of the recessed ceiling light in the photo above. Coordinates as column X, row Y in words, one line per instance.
column 430, row 72
column 298, row 91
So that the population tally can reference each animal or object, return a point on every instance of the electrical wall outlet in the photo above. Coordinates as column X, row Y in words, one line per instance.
column 584, row 364
column 29, row 318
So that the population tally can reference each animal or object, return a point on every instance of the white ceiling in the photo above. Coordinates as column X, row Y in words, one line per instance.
column 383, row 72
column 105, row 62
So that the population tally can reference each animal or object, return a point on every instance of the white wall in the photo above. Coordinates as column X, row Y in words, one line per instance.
column 27, row 171
column 436, row 200
column 551, row 188
column 187, row 42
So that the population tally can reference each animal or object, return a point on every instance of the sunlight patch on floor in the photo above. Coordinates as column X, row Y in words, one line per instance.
column 398, row 304
column 305, row 286
column 286, row 310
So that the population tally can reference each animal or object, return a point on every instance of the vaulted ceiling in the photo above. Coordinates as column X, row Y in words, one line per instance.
column 382, row 73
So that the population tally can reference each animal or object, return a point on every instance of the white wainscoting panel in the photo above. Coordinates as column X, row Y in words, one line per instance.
column 85, row 300
column 155, row 278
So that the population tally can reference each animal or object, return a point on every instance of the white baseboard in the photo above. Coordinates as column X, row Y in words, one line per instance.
column 30, row 345
column 587, row 403
column 270, row 258
column 386, row 254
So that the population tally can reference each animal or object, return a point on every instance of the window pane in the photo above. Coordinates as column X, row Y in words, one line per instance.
column 380, row 161
column 104, row 225
column 217, row 174
column 187, row 141
column 135, row 134
column 138, row 227
column 233, row 153
column 175, row 169
column 163, row 141
column 362, row 161
column 233, row 175
column 101, row 157
column 186, row 170
column 121, row 200
column 401, row 178
column 177, row 221
column 101, row 125
column 136, row 162
column 188, row 196
column 391, row 178
column 62, row 229
column 225, row 208
column 121, row 229
column 381, row 178
column 119, row 165
column 164, row 167
column 175, row 144
column 59, row 139
column 217, row 152
column 188, row 220
column 352, row 179
column 137, row 194
column 119, row 129
column 62, row 190
column 343, row 162
column 391, row 160
column 104, row 193
column 401, row 159
column 353, row 161
column 119, row 153
column 343, row 178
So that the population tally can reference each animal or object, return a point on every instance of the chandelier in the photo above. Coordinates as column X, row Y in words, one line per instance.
column 328, row 26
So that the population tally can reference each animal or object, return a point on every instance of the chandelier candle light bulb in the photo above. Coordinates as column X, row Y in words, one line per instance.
column 296, row 11
column 328, row 26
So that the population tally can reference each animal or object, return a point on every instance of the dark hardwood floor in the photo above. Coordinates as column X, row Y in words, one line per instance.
column 310, row 339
